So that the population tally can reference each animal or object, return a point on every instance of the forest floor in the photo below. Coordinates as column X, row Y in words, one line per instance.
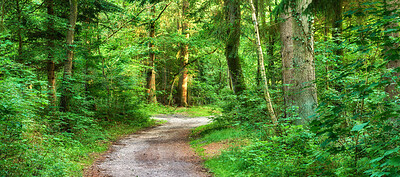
column 154, row 152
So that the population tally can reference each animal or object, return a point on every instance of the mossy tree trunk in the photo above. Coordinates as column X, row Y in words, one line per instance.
column 233, row 18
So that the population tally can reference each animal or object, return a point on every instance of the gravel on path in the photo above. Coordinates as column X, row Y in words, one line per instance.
column 162, row 151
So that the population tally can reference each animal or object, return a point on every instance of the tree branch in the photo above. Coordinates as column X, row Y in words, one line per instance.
column 159, row 15
column 123, row 25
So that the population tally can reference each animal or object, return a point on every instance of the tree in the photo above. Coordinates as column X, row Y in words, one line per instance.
column 232, row 19
column 51, row 68
column 262, row 67
column 184, row 57
column 66, row 94
column 151, row 74
column 298, row 67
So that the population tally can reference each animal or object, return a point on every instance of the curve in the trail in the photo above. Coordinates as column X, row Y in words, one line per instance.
column 157, row 152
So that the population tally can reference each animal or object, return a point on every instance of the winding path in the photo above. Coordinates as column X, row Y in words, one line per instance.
column 157, row 152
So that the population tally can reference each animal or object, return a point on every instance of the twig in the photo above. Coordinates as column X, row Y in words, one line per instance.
column 123, row 25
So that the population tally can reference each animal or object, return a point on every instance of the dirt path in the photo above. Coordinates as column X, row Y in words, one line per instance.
column 157, row 152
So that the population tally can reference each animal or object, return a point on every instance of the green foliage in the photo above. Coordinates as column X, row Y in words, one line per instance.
column 286, row 155
column 357, row 121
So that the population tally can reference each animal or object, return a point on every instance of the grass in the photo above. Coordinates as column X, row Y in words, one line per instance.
column 194, row 111
column 215, row 133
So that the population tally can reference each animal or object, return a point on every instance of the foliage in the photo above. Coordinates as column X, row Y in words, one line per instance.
column 356, row 121
column 286, row 155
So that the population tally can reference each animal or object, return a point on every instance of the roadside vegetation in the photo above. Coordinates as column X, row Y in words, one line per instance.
column 296, row 87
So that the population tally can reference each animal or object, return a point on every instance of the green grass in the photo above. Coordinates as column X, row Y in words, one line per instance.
column 213, row 133
column 48, row 153
column 194, row 111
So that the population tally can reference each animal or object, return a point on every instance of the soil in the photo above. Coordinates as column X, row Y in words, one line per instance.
column 156, row 152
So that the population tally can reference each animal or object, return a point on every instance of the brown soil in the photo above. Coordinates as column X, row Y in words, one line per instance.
column 214, row 149
column 156, row 152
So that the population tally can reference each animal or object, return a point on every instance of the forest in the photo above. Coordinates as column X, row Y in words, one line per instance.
column 306, row 87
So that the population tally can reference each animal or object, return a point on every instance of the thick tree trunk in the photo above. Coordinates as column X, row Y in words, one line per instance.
column 51, row 77
column 286, row 31
column 298, row 62
column 183, row 80
column 151, row 74
column 233, row 17
column 394, row 62
column 305, row 96
column 66, row 95
column 262, row 67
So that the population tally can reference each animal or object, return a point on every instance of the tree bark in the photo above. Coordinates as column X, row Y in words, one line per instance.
column 51, row 77
column 232, row 18
column 183, row 80
column 393, row 62
column 66, row 95
column 262, row 67
column 151, row 74
column 298, row 62
column 286, row 32
column 305, row 96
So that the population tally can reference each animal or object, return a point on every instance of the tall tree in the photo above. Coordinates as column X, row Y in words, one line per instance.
column 301, row 79
column 51, row 68
column 286, row 33
column 262, row 67
column 233, row 18
column 184, row 57
column 66, row 94
column 151, row 73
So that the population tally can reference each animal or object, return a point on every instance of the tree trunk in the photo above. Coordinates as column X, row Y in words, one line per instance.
column 305, row 96
column 183, row 80
column 298, row 62
column 393, row 62
column 151, row 74
column 337, row 25
column 262, row 67
column 66, row 95
column 51, row 77
column 286, row 31
column 233, row 17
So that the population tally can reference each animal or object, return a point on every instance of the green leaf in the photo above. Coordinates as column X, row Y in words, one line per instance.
column 359, row 127
column 395, row 161
column 391, row 151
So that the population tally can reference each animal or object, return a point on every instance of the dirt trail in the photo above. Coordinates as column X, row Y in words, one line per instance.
column 157, row 152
